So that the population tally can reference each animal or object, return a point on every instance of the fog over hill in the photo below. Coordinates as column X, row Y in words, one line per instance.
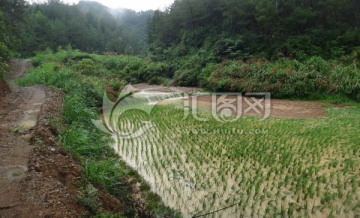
column 87, row 25
column 136, row 5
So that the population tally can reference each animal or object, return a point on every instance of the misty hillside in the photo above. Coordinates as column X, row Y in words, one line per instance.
column 88, row 26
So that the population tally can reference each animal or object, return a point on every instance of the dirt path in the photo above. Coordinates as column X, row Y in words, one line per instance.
column 18, row 114
column 30, row 177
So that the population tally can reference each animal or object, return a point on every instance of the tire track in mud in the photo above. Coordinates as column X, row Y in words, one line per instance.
column 18, row 116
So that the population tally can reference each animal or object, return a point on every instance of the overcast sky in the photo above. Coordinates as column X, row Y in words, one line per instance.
column 137, row 5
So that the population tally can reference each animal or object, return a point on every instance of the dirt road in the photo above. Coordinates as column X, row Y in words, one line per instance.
column 18, row 114
column 33, row 176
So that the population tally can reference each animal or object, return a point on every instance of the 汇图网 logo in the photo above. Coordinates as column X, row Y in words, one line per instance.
column 224, row 107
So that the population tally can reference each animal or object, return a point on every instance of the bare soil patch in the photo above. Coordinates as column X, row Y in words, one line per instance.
column 297, row 109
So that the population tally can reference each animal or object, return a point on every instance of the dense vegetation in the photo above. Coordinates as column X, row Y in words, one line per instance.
column 314, row 78
column 264, row 28
column 12, row 14
column 196, row 34
column 290, row 48
column 88, row 26
column 4, row 50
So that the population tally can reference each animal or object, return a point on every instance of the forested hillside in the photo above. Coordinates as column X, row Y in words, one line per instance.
column 88, row 26
column 262, row 28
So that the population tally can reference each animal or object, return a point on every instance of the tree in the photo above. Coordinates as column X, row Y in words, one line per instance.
column 12, row 13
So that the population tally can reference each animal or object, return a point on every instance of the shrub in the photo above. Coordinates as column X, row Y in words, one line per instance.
column 186, row 77
column 156, row 80
column 284, row 78
column 86, row 66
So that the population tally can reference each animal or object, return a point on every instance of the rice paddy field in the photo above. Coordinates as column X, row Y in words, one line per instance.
column 302, row 161
column 278, row 167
